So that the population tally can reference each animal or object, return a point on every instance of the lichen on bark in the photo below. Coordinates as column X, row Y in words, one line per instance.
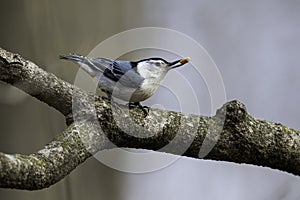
column 231, row 135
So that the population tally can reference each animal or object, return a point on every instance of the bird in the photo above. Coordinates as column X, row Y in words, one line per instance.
column 131, row 81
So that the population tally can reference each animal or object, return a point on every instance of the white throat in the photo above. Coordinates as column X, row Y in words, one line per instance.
column 151, row 72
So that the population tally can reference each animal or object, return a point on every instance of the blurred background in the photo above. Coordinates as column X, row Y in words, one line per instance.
column 255, row 45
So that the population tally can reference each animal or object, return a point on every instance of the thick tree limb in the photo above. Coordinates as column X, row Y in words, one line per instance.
column 47, row 166
column 96, row 126
column 36, row 82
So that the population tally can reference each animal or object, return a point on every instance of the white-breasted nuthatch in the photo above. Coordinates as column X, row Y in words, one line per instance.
column 127, row 80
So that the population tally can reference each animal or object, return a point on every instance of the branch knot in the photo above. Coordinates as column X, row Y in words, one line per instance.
column 234, row 111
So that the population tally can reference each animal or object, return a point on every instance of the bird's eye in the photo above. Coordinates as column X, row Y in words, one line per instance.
column 159, row 63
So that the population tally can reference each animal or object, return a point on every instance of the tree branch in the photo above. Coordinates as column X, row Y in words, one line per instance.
column 47, row 166
column 36, row 82
column 231, row 135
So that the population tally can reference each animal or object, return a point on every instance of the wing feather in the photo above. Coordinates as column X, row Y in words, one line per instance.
column 117, row 70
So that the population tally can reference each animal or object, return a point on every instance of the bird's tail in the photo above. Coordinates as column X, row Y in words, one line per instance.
column 84, row 62
column 73, row 57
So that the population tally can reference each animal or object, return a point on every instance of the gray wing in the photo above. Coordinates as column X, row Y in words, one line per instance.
column 124, row 73
column 119, row 71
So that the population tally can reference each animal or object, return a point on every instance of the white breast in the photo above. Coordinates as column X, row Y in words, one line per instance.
column 153, row 75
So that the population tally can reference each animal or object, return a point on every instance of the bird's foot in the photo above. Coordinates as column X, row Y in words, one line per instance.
column 106, row 99
column 145, row 109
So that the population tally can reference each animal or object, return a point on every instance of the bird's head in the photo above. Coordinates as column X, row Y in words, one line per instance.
column 162, row 63
column 157, row 68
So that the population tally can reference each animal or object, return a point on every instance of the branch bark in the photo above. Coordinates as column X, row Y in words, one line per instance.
column 94, row 125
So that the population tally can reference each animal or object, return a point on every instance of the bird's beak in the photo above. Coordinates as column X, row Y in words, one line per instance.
column 179, row 63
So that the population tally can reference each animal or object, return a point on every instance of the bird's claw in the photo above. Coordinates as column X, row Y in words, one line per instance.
column 145, row 109
column 106, row 99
